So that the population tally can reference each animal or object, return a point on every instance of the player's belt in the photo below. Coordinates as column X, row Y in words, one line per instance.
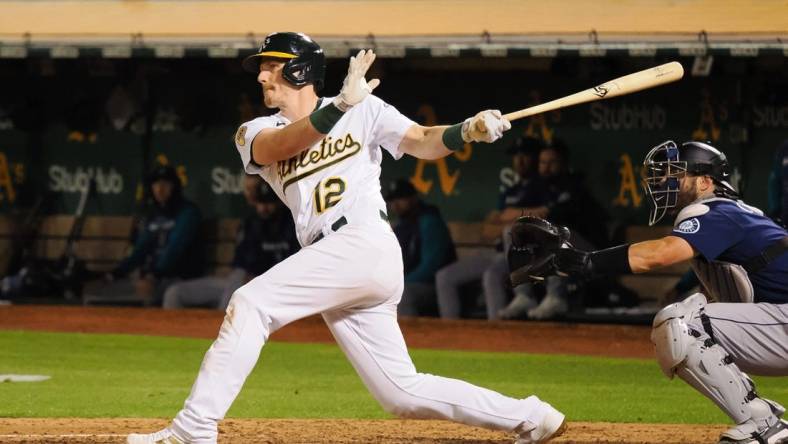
column 769, row 254
column 341, row 222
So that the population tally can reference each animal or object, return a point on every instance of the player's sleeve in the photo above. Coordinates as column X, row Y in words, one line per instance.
column 709, row 234
column 243, row 142
column 390, row 128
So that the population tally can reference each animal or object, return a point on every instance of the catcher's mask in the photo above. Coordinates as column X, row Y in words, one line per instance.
column 304, row 59
column 667, row 163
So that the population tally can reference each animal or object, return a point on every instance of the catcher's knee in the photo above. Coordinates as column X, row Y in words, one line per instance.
column 671, row 333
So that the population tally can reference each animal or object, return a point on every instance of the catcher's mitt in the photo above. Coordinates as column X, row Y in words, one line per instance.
column 534, row 244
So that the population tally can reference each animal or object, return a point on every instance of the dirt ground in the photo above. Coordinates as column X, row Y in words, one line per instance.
column 530, row 337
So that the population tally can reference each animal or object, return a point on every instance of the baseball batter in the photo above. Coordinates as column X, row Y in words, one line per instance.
column 322, row 157
column 739, row 255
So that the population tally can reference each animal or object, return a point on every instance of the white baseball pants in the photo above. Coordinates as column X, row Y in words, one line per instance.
column 354, row 278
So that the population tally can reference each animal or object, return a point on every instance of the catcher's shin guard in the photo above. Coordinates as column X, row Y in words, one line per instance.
column 703, row 364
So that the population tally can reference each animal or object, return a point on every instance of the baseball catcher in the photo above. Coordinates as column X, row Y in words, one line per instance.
column 739, row 255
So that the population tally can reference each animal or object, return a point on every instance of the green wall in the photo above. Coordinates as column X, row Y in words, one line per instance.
column 57, row 126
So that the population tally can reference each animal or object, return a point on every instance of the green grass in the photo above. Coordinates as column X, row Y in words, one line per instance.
column 145, row 376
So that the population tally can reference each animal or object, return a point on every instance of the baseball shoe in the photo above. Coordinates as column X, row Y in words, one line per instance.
column 550, row 307
column 746, row 433
column 161, row 437
column 518, row 307
column 552, row 426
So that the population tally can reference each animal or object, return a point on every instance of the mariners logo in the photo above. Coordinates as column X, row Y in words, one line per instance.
column 689, row 226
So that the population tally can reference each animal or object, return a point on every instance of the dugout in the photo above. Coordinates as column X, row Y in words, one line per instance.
column 104, row 89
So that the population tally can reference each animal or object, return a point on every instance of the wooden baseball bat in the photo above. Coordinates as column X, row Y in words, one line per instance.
column 648, row 78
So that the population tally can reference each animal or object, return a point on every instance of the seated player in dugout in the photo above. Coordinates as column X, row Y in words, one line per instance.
column 738, row 254
column 167, row 246
column 489, row 265
column 322, row 156
column 426, row 247
column 566, row 202
column 265, row 237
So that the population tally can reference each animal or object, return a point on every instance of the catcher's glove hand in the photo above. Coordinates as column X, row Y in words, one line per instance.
column 535, row 243
column 573, row 262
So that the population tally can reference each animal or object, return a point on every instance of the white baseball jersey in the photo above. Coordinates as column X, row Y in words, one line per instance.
column 338, row 176
column 353, row 277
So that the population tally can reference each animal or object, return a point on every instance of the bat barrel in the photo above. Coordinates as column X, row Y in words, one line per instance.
column 628, row 84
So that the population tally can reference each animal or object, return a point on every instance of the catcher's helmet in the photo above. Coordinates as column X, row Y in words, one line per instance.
column 667, row 163
column 304, row 59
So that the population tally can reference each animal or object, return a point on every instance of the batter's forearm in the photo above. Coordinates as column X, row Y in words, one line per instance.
column 425, row 142
column 435, row 142
column 432, row 146
column 283, row 143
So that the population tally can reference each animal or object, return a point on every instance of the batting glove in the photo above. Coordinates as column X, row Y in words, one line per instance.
column 355, row 88
column 487, row 126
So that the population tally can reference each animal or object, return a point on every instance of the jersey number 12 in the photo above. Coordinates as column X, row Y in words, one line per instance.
column 328, row 193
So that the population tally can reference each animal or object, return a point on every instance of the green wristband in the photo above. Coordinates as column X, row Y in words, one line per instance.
column 325, row 118
column 452, row 137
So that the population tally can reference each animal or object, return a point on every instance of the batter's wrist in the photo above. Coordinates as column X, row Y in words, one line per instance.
column 326, row 117
column 452, row 137
column 341, row 104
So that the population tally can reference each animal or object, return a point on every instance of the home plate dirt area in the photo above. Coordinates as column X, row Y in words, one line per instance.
column 599, row 340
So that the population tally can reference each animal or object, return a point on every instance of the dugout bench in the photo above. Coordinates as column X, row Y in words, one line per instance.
column 105, row 241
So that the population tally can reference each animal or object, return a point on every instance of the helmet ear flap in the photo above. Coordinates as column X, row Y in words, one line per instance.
column 295, row 72
column 301, row 72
